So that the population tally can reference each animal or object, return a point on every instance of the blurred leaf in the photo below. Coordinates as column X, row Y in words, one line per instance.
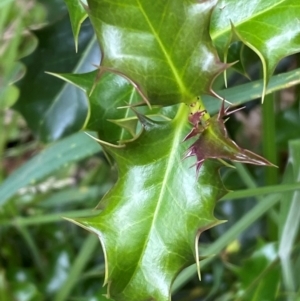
column 271, row 28
column 138, row 42
column 56, row 10
column 58, row 155
column 290, row 226
column 59, row 271
column 260, row 274
column 259, row 191
column 245, row 59
column 5, row 294
column 15, row 42
column 285, row 121
column 77, row 16
column 35, row 17
column 75, row 195
column 145, row 246
column 246, row 92
column 28, row 45
column 43, row 218
column 17, row 72
column 5, row 3
column 8, row 96
column 25, row 291
column 86, row 251
column 52, row 109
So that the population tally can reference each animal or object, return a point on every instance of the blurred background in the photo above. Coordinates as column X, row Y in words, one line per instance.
column 51, row 170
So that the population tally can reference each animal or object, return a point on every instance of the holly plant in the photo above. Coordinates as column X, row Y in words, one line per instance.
column 153, row 107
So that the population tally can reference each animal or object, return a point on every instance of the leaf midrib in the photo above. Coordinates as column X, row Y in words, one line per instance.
column 163, row 49
column 228, row 28
column 168, row 172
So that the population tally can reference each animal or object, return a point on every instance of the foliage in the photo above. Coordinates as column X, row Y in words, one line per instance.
column 150, row 98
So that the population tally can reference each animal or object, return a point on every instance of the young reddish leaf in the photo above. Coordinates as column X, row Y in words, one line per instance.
column 214, row 141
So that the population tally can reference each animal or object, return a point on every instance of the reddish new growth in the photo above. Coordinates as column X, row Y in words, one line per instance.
column 214, row 143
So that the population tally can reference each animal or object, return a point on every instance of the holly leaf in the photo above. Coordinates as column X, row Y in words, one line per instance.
column 152, row 218
column 214, row 142
column 77, row 16
column 53, row 110
column 110, row 101
column 105, row 99
column 163, row 47
column 263, row 26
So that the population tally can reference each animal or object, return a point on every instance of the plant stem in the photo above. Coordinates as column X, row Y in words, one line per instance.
column 269, row 152
column 269, row 144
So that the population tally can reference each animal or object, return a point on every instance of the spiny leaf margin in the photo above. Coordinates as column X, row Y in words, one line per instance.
column 270, row 28
column 167, row 64
column 152, row 218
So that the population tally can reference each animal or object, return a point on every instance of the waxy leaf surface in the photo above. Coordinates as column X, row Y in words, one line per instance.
column 77, row 16
column 162, row 46
column 153, row 216
column 51, row 108
column 108, row 94
column 271, row 28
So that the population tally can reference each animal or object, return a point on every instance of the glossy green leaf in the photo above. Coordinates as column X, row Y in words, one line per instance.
column 71, row 149
column 77, row 16
column 105, row 97
column 113, row 91
column 153, row 216
column 52, row 109
column 163, row 47
column 270, row 28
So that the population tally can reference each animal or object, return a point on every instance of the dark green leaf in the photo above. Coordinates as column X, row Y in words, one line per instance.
column 152, row 218
column 244, row 58
column 110, row 93
column 56, row 9
column 271, row 28
column 77, row 15
column 52, row 109
column 162, row 46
